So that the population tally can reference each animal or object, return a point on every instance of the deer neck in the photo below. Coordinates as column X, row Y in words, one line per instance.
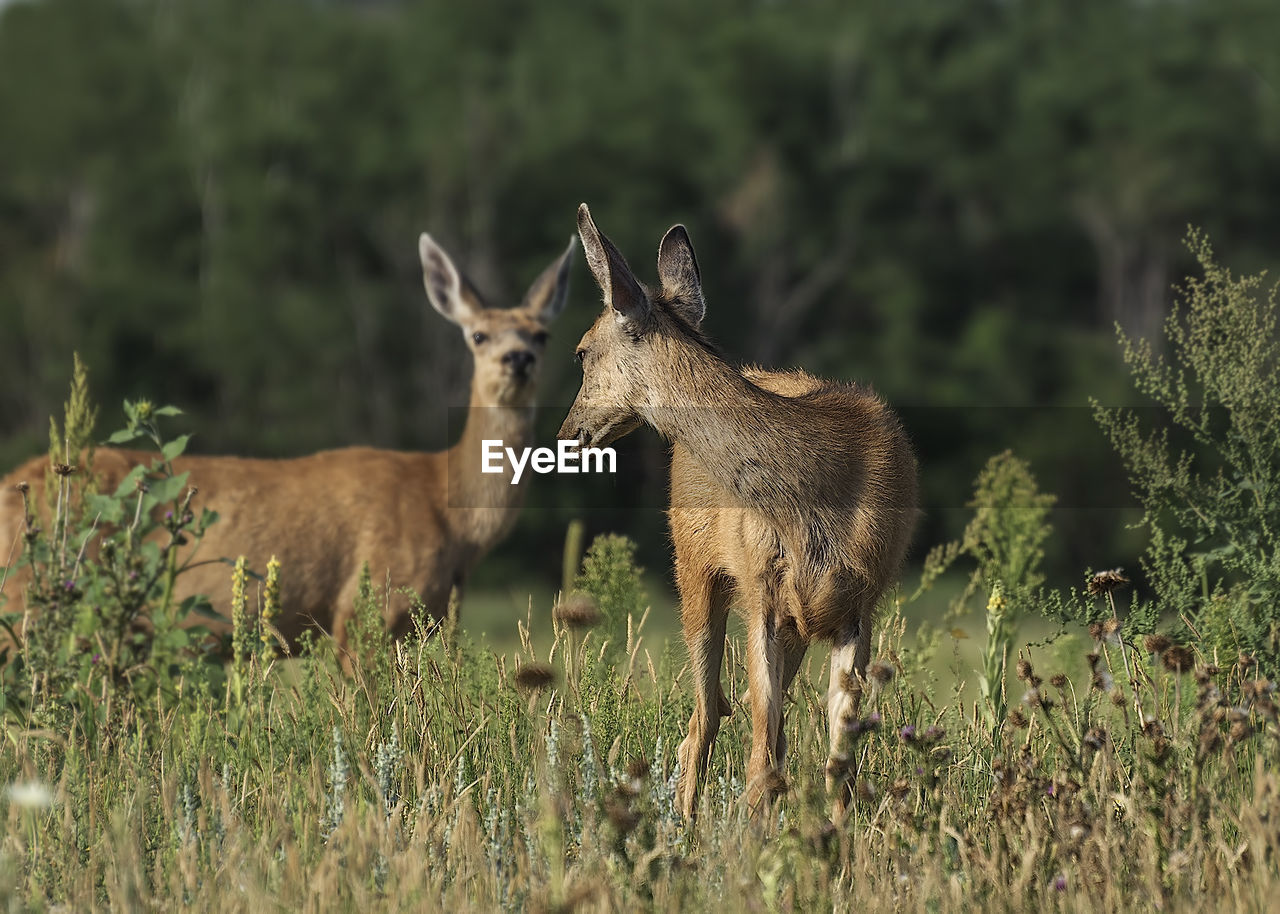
column 483, row 506
column 748, row 440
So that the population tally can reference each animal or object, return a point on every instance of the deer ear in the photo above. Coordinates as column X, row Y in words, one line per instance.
column 443, row 282
column 622, row 291
column 546, row 297
column 681, row 279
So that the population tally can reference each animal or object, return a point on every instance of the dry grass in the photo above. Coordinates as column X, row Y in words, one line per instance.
column 438, row 784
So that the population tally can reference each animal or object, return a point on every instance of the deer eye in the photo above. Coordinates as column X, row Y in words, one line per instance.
column 541, row 337
column 580, row 355
column 479, row 337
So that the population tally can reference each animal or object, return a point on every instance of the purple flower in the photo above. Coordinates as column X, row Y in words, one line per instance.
column 70, row 585
column 168, row 515
column 97, row 658
column 1060, row 884
column 908, row 733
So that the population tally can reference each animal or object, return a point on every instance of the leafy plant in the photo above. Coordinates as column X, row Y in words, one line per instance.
column 102, row 630
column 612, row 579
column 1205, row 465
column 1005, row 540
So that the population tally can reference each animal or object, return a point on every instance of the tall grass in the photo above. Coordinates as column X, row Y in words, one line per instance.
column 451, row 778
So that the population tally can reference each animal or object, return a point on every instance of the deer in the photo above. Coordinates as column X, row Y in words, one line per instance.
column 792, row 499
column 422, row 520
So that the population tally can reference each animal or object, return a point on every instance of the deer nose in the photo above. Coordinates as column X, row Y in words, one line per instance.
column 518, row 359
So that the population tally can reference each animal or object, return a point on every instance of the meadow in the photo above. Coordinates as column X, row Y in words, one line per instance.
column 1103, row 747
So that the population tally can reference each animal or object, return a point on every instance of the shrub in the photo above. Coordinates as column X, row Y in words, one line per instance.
column 1205, row 464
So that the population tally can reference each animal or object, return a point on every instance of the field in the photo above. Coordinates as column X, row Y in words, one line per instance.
column 440, row 776
column 1023, row 747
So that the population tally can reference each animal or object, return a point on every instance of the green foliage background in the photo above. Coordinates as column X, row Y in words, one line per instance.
column 216, row 204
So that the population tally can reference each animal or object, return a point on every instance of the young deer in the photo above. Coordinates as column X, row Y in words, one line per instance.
column 420, row 519
column 792, row 496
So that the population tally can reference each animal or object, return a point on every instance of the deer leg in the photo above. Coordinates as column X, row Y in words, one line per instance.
column 793, row 651
column 764, row 671
column 849, row 659
column 704, row 611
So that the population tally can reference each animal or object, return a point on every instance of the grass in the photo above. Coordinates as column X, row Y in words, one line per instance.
column 429, row 780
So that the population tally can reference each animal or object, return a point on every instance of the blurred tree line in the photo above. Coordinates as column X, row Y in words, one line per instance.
column 217, row 204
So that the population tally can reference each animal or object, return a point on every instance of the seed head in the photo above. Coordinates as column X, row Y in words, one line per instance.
column 1157, row 644
column 1024, row 669
column 578, row 611
column 620, row 813
column 531, row 677
column 1102, row 680
column 1104, row 582
column 1240, row 730
column 1178, row 659
column 1058, row 680
column 638, row 768
column 880, row 672
column 23, row 487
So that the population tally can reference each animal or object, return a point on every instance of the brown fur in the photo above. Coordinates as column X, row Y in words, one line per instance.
column 421, row 520
column 791, row 496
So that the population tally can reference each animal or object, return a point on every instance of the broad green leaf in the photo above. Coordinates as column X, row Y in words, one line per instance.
column 175, row 447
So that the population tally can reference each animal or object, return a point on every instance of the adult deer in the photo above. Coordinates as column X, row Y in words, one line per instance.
column 421, row 520
column 792, row 496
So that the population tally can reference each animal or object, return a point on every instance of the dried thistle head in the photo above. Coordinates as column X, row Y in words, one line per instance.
column 1210, row 742
column 1103, row 680
column 578, row 611
column 1018, row 720
column 638, row 768
column 1178, row 659
column 1240, row 730
column 1024, row 669
column 1058, row 681
column 1104, row 582
column 530, row 677
column 880, row 672
column 1157, row 644
column 621, row 815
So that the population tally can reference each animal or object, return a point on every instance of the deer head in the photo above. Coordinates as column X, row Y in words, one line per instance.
column 621, row 355
column 506, row 343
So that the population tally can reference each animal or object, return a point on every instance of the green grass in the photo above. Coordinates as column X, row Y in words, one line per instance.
column 428, row 781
